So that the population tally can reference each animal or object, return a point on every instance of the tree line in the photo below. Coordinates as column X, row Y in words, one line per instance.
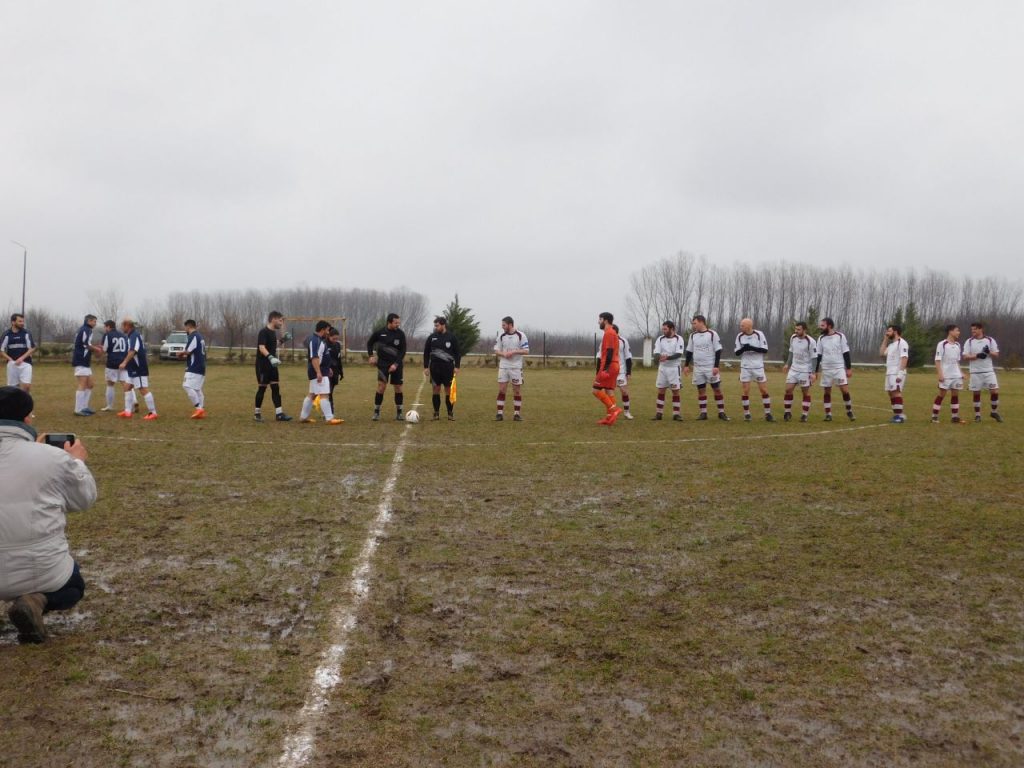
column 862, row 302
column 232, row 318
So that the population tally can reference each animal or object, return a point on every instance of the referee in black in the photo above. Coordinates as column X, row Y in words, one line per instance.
column 386, row 348
column 441, row 361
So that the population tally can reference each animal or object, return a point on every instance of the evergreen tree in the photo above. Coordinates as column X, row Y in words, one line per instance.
column 812, row 319
column 463, row 325
column 918, row 338
column 812, row 329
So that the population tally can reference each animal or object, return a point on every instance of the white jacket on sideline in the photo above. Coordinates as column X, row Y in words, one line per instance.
column 38, row 484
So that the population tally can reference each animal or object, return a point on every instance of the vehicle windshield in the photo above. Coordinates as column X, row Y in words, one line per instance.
column 177, row 338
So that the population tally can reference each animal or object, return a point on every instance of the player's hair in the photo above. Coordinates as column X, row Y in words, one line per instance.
column 321, row 325
column 508, row 319
column 109, row 324
column 128, row 321
column 332, row 331
column 89, row 317
column 615, row 327
column 801, row 324
column 670, row 325
column 274, row 315
column 441, row 320
column 16, row 315
column 976, row 324
column 897, row 328
column 700, row 319
column 608, row 317
column 829, row 322
column 951, row 327
column 393, row 316
column 190, row 323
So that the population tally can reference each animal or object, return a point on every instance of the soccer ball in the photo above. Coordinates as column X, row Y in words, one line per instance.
column 412, row 416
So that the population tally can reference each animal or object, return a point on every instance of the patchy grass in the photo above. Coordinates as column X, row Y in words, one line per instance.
column 549, row 593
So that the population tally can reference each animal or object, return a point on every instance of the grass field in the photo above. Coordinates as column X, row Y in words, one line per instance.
column 546, row 593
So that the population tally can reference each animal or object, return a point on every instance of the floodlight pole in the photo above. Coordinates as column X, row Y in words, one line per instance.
column 24, row 272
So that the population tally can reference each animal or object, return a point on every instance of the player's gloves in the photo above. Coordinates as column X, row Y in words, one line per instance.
column 286, row 336
column 982, row 355
column 274, row 361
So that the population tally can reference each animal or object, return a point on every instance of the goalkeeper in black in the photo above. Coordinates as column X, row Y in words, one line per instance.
column 386, row 349
column 266, row 366
column 441, row 360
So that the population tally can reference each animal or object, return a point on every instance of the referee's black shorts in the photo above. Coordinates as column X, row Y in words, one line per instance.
column 393, row 378
column 441, row 373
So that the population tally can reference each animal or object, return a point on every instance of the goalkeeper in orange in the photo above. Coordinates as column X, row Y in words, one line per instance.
column 607, row 369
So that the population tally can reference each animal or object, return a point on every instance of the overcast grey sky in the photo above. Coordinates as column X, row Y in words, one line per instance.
column 529, row 155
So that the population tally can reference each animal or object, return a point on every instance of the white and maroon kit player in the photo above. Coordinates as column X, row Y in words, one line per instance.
column 669, row 350
column 979, row 351
column 751, row 348
column 834, row 366
column 896, row 352
column 703, row 353
column 511, row 346
column 625, row 371
column 799, row 370
column 951, row 378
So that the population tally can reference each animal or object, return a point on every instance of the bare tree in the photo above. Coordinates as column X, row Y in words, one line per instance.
column 641, row 300
column 108, row 303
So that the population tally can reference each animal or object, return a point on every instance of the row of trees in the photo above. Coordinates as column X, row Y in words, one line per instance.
column 861, row 302
column 674, row 288
column 232, row 318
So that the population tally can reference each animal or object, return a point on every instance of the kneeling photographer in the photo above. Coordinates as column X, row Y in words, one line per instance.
column 41, row 483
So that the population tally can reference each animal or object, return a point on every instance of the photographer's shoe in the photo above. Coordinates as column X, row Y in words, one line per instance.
column 26, row 613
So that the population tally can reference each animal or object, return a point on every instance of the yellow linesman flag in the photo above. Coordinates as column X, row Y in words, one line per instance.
column 453, row 392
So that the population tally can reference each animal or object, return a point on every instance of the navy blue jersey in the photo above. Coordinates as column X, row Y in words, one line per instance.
column 195, row 349
column 17, row 343
column 81, row 355
column 316, row 349
column 138, row 365
column 334, row 361
column 115, row 347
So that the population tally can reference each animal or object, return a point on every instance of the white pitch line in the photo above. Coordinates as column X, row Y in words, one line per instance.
column 207, row 441
column 448, row 444
column 299, row 745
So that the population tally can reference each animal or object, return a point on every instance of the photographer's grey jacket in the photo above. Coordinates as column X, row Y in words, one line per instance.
column 38, row 484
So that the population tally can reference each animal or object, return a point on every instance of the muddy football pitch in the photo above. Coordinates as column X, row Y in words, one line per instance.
column 539, row 593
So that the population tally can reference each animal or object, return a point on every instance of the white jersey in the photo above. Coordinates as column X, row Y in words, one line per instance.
column 803, row 353
column 752, row 361
column 975, row 346
column 895, row 352
column 703, row 345
column 947, row 354
column 669, row 345
column 511, row 342
column 831, row 348
column 624, row 352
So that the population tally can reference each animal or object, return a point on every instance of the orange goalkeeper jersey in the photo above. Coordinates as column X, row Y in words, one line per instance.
column 610, row 341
